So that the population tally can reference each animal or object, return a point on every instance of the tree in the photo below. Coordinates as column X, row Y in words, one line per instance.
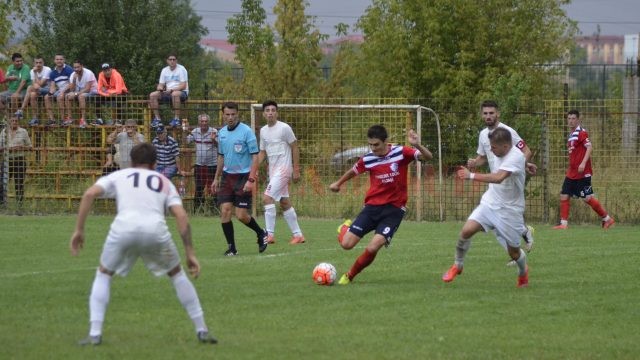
column 136, row 36
column 460, row 49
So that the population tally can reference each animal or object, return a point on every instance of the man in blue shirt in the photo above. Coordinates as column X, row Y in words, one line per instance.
column 58, row 87
column 168, row 154
column 238, row 153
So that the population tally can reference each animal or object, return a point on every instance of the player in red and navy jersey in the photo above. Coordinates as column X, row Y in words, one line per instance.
column 384, row 203
column 578, row 177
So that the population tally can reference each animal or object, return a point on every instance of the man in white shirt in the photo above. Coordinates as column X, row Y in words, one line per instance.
column 140, row 231
column 82, row 84
column 501, row 207
column 39, row 87
column 278, row 144
column 172, row 87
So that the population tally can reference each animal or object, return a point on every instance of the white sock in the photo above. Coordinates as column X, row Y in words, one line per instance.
column 270, row 218
column 98, row 302
column 189, row 299
column 291, row 218
column 462, row 247
column 522, row 263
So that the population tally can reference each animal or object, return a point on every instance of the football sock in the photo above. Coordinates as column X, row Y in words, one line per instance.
column 522, row 263
column 564, row 209
column 595, row 205
column 98, row 301
column 343, row 230
column 253, row 225
column 461, row 250
column 227, row 229
column 291, row 218
column 364, row 260
column 189, row 299
column 270, row 218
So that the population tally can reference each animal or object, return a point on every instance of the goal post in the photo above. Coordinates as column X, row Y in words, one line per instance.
column 331, row 138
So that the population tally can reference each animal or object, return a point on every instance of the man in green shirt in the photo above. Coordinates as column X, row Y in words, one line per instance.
column 18, row 79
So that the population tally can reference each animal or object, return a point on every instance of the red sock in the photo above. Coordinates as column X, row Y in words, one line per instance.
column 343, row 230
column 595, row 205
column 364, row 260
column 564, row 209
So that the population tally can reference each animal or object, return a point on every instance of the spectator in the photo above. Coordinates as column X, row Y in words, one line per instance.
column 173, row 87
column 82, row 85
column 58, row 87
column 206, row 139
column 168, row 154
column 111, row 87
column 125, row 141
column 40, row 78
column 16, row 141
column 19, row 79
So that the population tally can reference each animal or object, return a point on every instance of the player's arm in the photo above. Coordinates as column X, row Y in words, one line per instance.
column 494, row 178
column 414, row 140
column 587, row 156
column 253, row 173
column 350, row 174
column 295, row 154
column 184, row 228
column 477, row 161
column 530, row 167
column 77, row 239
column 216, row 177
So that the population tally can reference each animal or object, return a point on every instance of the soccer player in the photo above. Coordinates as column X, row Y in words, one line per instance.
column 386, row 198
column 501, row 206
column 577, row 181
column 238, row 165
column 140, row 230
column 490, row 113
column 278, row 144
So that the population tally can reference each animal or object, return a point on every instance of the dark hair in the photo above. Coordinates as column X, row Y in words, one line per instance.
column 39, row 56
column 16, row 56
column 489, row 103
column 269, row 103
column 230, row 105
column 78, row 61
column 574, row 112
column 143, row 154
column 500, row 136
column 377, row 132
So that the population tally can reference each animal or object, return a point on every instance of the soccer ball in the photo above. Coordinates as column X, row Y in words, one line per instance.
column 324, row 274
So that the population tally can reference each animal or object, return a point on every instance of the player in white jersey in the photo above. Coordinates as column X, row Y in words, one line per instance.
column 140, row 230
column 279, row 146
column 491, row 116
column 501, row 207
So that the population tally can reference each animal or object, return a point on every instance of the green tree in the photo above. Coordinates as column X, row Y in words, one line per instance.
column 136, row 36
column 462, row 48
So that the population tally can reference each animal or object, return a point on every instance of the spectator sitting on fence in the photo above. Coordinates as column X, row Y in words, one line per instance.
column 168, row 163
column 111, row 87
column 58, row 87
column 126, row 140
column 16, row 141
column 82, row 85
column 39, row 87
column 19, row 79
column 173, row 87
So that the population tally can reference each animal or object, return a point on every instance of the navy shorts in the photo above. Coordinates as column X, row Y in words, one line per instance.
column 232, row 190
column 165, row 97
column 577, row 187
column 384, row 219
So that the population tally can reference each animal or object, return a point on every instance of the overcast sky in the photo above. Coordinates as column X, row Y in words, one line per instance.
column 615, row 17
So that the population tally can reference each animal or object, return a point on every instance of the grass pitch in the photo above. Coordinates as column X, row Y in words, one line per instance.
column 582, row 302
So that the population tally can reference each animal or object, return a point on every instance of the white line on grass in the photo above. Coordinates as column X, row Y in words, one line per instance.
column 45, row 272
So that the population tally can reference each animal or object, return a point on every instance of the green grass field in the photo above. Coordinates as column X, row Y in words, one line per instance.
column 582, row 302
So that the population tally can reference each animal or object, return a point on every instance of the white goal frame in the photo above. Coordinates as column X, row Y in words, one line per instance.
column 418, row 109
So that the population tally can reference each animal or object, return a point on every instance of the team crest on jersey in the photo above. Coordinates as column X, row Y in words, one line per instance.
column 237, row 147
column 394, row 167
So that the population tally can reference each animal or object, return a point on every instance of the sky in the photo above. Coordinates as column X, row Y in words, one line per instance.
column 615, row 17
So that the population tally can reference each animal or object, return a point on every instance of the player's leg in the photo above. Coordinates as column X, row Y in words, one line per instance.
column 568, row 188
column 98, row 302
column 269, row 201
column 590, row 199
column 242, row 202
column 507, row 225
column 479, row 220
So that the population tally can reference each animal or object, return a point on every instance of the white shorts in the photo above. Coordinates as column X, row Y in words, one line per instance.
column 157, row 250
column 507, row 224
column 278, row 188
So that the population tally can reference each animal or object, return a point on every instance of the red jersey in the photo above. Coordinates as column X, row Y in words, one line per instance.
column 387, row 175
column 577, row 145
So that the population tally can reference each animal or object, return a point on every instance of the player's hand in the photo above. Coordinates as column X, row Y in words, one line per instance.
column 76, row 243
column 334, row 187
column 193, row 266
column 581, row 168
column 531, row 168
column 463, row 173
column 296, row 176
column 471, row 163
column 413, row 137
column 214, row 186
